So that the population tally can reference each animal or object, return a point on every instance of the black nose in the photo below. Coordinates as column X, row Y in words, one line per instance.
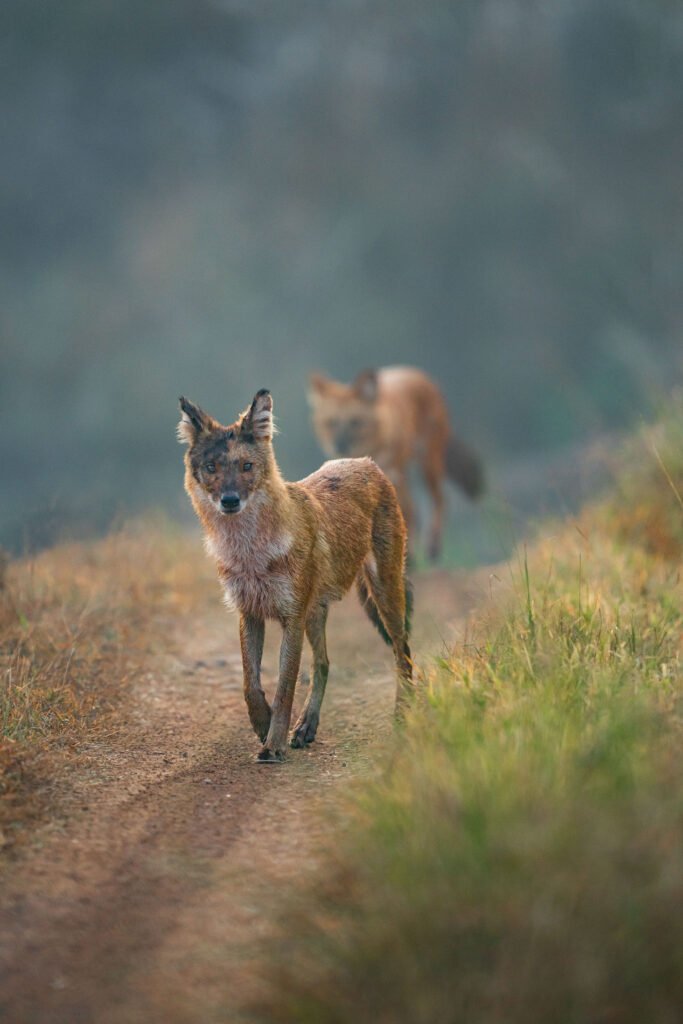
column 230, row 501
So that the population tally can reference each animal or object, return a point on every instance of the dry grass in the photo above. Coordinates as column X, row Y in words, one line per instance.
column 77, row 625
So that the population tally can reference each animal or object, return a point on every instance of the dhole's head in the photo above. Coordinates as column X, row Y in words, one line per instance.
column 344, row 415
column 227, row 466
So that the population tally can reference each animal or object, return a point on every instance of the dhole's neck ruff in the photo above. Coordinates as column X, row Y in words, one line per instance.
column 247, row 544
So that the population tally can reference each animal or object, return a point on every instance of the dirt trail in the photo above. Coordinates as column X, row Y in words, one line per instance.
column 151, row 902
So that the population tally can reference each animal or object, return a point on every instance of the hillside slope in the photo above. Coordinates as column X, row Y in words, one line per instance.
column 146, row 853
column 521, row 860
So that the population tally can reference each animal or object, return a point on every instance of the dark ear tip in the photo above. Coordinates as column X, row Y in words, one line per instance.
column 262, row 392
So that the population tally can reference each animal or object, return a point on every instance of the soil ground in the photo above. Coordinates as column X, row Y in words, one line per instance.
column 150, row 899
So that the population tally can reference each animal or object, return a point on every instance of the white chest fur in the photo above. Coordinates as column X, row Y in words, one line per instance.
column 250, row 563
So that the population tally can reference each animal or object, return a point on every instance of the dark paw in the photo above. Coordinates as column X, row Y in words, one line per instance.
column 267, row 756
column 304, row 733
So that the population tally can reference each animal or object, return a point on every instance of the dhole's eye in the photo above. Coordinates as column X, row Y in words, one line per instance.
column 210, row 467
column 247, row 466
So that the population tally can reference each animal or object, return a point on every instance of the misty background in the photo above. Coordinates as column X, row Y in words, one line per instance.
column 211, row 197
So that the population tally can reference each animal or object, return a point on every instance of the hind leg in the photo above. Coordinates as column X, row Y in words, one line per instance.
column 390, row 598
column 387, row 585
column 399, row 478
column 433, row 472
column 307, row 726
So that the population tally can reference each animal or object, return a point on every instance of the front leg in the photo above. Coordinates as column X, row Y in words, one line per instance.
column 290, row 659
column 252, row 632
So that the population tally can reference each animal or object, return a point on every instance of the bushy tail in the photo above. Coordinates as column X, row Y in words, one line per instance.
column 464, row 467
column 409, row 604
column 372, row 611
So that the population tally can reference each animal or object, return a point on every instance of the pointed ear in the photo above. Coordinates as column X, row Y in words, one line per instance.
column 258, row 419
column 317, row 389
column 365, row 385
column 193, row 422
column 318, row 382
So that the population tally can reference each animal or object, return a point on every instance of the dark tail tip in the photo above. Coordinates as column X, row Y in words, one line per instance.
column 410, row 604
column 372, row 611
column 465, row 468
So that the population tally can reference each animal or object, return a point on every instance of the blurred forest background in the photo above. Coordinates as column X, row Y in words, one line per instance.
column 211, row 197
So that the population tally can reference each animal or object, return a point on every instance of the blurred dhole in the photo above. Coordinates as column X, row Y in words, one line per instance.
column 398, row 416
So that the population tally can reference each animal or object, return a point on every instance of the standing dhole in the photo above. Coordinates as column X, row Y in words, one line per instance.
column 286, row 550
column 398, row 416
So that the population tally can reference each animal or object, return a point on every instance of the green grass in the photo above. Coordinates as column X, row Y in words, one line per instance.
column 521, row 858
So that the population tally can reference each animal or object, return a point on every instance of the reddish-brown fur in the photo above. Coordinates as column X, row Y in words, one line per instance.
column 286, row 550
column 398, row 416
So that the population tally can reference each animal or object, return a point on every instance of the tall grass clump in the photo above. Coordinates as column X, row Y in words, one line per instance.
column 521, row 858
column 77, row 623
column 647, row 508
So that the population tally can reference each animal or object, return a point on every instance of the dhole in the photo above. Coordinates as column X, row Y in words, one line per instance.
column 398, row 416
column 286, row 550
